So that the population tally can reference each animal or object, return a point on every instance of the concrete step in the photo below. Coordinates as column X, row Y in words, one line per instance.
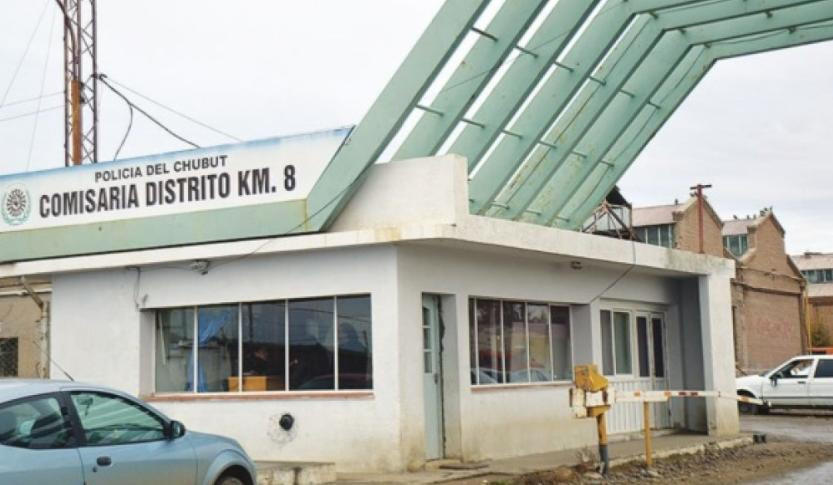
column 293, row 473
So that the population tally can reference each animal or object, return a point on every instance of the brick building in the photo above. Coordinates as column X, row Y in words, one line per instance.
column 817, row 269
column 767, row 291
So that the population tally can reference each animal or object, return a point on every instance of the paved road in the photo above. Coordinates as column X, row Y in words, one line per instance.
column 802, row 426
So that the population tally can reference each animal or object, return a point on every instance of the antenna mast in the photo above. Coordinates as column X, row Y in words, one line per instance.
column 80, row 83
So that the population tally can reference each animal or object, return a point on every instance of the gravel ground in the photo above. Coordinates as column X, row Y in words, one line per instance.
column 753, row 463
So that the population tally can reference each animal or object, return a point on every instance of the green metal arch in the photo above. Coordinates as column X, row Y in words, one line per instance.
column 572, row 108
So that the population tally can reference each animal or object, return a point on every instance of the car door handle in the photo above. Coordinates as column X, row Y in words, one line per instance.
column 801, row 382
column 104, row 461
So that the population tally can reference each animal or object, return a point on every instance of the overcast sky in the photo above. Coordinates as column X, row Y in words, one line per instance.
column 758, row 128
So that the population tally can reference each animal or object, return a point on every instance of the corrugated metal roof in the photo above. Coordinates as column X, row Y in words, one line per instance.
column 654, row 215
column 813, row 261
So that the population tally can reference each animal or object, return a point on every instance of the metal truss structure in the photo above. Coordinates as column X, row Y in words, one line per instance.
column 552, row 101
column 80, row 82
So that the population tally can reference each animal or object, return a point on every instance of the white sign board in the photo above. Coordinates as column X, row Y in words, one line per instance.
column 258, row 172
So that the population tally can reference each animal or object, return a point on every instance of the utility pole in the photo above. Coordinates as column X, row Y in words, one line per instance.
column 699, row 191
column 80, row 83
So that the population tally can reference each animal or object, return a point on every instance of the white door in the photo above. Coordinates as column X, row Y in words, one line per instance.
column 641, row 334
column 788, row 386
column 432, row 377
column 821, row 385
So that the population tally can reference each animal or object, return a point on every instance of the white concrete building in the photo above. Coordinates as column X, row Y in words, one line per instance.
column 409, row 331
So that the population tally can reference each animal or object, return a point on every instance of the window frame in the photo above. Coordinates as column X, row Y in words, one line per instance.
column 474, row 351
column 80, row 435
column 650, row 312
column 240, row 393
column 16, row 341
column 75, row 438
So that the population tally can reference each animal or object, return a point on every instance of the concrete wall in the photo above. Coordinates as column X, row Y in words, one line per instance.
column 100, row 336
column 20, row 318
column 500, row 421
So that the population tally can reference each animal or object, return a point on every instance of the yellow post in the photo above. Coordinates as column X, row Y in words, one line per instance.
column 604, row 458
column 646, row 417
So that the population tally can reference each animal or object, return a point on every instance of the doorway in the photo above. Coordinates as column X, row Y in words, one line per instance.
column 432, row 376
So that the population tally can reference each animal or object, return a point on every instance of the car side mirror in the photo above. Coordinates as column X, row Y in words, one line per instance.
column 774, row 379
column 174, row 430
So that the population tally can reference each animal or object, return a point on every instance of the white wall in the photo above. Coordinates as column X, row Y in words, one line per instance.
column 498, row 422
column 100, row 336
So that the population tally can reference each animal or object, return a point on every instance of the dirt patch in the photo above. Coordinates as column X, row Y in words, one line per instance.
column 736, row 465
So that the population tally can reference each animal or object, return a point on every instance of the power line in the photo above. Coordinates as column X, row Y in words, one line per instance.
column 31, row 113
column 25, row 52
column 179, row 113
column 42, row 84
column 29, row 100
column 103, row 79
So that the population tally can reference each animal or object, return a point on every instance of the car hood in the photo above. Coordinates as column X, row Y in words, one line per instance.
column 752, row 382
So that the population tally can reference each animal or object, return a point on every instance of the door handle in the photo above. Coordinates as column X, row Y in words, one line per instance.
column 801, row 382
column 104, row 461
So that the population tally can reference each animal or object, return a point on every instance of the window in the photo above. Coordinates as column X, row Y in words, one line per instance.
column 35, row 423
column 642, row 346
column 616, row 342
column 658, row 338
column 818, row 275
column 797, row 369
column 112, row 420
column 8, row 357
column 305, row 344
column 824, row 368
column 737, row 245
column 519, row 342
column 662, row 235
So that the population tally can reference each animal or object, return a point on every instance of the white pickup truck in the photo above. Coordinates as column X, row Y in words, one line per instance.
column 803, row 381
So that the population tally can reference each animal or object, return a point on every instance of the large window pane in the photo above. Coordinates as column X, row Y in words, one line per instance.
column 472, row 341
column 111, row 420
column 514, row 341
column 490, row 355
column 264, row 347
column 217, row 338
column 659, row 347
column 561, row 348
column 311, row 352
column 355, row 349
column 540, row 360
column 607, row 343
column 622, row 342
column 174, row 344
column 642, row 346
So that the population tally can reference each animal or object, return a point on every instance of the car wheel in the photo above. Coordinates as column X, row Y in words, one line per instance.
column 229, row 480
column 747, row 408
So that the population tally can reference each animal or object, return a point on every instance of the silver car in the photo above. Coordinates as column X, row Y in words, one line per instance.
column 61, row 432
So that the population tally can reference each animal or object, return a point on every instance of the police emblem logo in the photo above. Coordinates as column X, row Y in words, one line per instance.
column 16, row 205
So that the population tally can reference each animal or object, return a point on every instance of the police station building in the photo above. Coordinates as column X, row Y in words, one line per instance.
column 407, row 330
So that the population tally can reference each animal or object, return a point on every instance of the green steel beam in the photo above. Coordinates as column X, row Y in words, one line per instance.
column 469, row 78
column 520, row 79
column 574, row 126
column 590, row 48
column 517, row 196
column 624, row 109
column 346, row 170
column 641, row 132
